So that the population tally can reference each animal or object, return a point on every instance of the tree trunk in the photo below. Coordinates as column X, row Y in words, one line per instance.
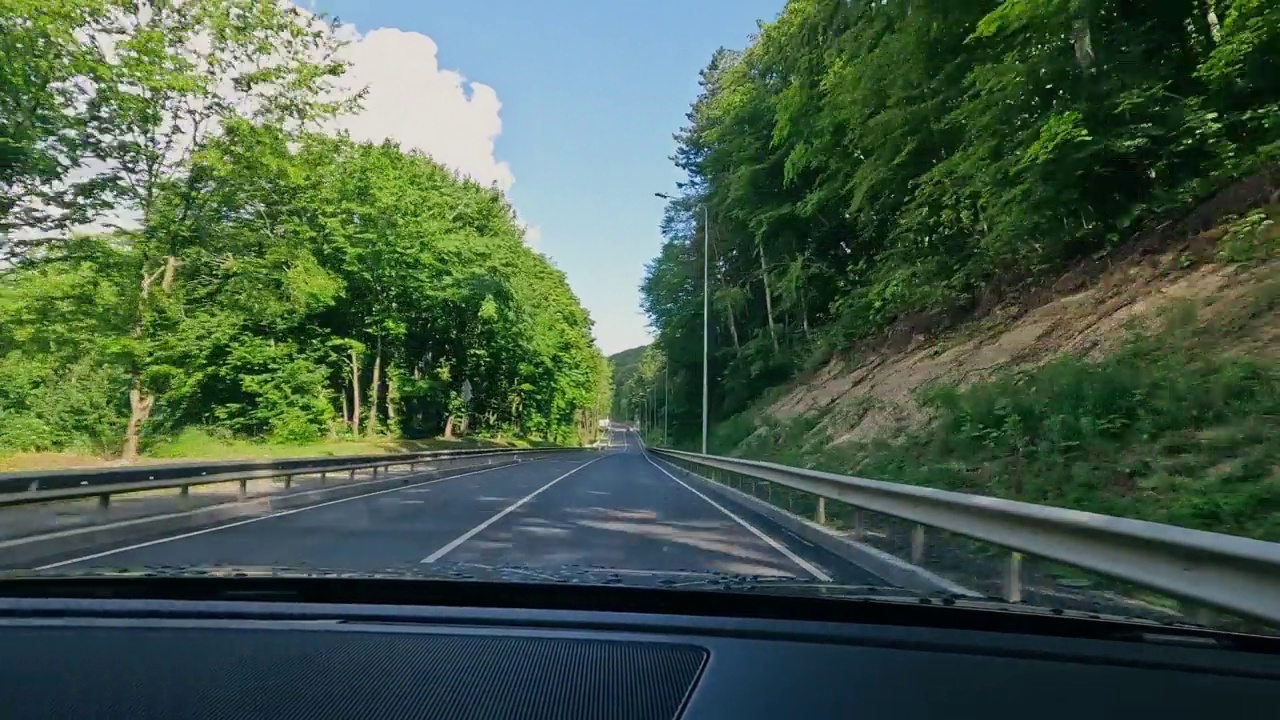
column 140, row 402
column 448, row 427
column 393, row 400
column 170, row 271
column 1082, row 35
column 355, row 392
column 768, row 296
column 1211, row 22
column 419, row 407
column 733, row 330
column 346, row 406
column 375, row 391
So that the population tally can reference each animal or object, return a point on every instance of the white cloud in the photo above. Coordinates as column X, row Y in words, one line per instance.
column 410, row 100
column 416, row 103
column 532, row 235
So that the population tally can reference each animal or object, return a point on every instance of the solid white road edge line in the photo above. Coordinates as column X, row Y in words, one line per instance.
column 282, row 513
column 477, row 529
column 808, row 566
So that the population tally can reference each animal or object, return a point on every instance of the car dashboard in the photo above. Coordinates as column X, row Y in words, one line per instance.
column 85, row 657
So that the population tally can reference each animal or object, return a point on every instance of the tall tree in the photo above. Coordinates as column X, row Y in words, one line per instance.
column 868, row 166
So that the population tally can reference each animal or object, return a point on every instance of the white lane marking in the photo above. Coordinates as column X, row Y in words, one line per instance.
column 808, row 566
column 282, row 513
column 479, row 528
column 412, row 502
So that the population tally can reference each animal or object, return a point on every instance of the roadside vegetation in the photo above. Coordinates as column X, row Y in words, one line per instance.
column 884, row 179
column 197, row 444
column 1166, row 427
column 185, row 254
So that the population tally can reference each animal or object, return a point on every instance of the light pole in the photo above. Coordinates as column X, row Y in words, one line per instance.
column 706, row 307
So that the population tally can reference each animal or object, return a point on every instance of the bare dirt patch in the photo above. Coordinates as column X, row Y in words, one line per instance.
column 1085, row 311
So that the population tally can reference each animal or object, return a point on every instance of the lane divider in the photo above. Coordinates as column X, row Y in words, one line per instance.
column 480, row 528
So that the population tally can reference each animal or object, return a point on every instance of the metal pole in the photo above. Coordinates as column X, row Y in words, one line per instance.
column 706, row 313
column 706, row 306
column 666, row 402
column 653, row 405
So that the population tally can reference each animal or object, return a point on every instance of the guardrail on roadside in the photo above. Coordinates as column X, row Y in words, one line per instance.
column 1236, row 574
column 24, row 488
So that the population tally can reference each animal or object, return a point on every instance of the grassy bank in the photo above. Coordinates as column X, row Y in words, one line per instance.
column 1180, row 425
column 195, row 444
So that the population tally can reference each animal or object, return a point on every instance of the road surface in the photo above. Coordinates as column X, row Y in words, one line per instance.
column 612, row 508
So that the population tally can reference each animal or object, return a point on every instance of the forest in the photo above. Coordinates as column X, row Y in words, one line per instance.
column 896, row 167
column 186, row 245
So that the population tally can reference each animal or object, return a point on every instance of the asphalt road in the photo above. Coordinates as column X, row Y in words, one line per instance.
column 611, row 508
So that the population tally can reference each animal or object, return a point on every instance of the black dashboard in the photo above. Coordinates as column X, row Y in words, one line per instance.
column 86, row 657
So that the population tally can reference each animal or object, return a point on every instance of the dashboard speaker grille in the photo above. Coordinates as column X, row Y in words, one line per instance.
column 165, row 673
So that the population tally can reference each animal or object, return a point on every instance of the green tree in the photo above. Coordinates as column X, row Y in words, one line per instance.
column 271, row 281
column 892, row 166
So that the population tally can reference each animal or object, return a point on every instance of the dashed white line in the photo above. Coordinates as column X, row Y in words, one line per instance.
column 282, row 513
column 808, row 566
column 479, row 528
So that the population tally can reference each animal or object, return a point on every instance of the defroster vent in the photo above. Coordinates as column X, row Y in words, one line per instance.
column 169, row 673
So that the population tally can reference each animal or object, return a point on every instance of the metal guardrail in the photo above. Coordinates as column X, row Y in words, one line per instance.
column 1236, row 574
column 25, row 488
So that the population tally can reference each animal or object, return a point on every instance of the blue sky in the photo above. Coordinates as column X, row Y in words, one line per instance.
column 591, row 92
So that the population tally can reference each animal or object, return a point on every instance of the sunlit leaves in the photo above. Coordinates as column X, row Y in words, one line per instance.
column 896, row 161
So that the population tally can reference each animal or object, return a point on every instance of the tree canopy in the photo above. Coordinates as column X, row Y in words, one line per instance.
column 274, row 281
column 898, row 164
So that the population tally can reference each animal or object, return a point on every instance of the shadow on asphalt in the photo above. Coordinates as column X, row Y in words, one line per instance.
column 626, row 538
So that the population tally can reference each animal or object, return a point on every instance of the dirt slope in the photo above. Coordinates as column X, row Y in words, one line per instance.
column 1084, row 312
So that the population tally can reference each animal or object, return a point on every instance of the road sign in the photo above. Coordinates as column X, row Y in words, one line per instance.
column 466, row 391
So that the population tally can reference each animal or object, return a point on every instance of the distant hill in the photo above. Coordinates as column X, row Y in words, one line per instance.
column 624, row 366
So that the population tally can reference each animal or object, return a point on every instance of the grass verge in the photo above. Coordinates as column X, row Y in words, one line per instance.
column 197, row 444
column 1174, row 427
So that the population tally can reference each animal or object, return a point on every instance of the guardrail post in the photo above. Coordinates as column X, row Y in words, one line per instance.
column 323, row 476
column 375, row 472
column 820, row 515
column 244, row 488
column 917, row 544
column 184, row 493
column 288, row 481
column 351, row 475
column 104, row 501
column 1013, row 579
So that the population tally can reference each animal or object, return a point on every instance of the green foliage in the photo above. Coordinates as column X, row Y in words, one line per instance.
column 869, row 167
column 42, row 136
column 1167, row 429
column 624, row 366
column 642, row 391
column 1252, row 237
column 282, row 284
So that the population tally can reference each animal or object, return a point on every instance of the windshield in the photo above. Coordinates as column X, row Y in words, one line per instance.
column 525, row 285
